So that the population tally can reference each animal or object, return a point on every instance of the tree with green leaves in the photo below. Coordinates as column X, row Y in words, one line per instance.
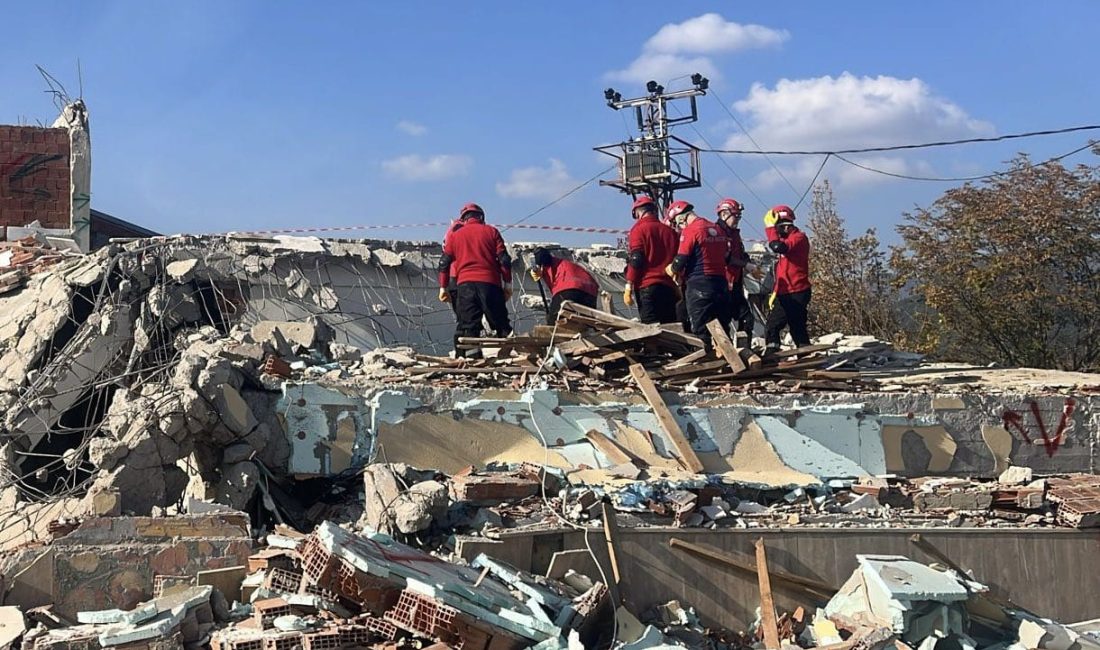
column 853, row 288
column 1009, row 268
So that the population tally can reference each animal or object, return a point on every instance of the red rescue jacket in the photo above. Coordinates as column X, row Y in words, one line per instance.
column 737, row 252
column 792, row 274
column 655, row 243
column 704, row 251
column 563, row 275
column 476, row 253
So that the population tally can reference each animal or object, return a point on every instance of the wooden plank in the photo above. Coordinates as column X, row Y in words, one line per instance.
column 596, row 342
column 611, row 536
column 670, row 333
column 806, row 349
column 752, row 360
column 725, row 346
column 767, row 606
column 616, row 454
column 687, row 359
column 504, row 370
column 815, row 587
column 664, row 416
column 698, row 368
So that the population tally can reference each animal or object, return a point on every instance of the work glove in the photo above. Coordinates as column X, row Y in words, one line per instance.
column 770, row 219
column 628, row 295
column 771, row 300
column 443, row 295
column 670, row 272
column 507, row 292
column 536, row 275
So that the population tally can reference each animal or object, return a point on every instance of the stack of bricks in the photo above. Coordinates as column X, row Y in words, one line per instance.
column 328, row 573
column 34, row 177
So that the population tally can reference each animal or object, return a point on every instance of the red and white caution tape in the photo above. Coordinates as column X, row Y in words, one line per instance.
column 403, row 226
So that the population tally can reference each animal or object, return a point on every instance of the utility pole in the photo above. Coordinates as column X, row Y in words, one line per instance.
column 656, row 163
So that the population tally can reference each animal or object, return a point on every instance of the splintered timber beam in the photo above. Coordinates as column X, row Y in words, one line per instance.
column 611, row 320
column 767, row 606
column 664, row 416
column 614, row 453
column 597, row 342
column 725, row 346
column 807, row 586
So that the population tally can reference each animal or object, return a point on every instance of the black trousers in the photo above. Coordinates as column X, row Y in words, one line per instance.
column 575, row 295
column 708, row 298
column 452, row 291
column 477, row 299
column 789, row 311
column 742, row 311
column 657, row 304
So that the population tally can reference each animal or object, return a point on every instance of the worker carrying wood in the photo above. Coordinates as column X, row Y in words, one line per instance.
column 474, row 254
column 729, row 220
column 791, row 297
column 566, row 280
column 702, row 259
column 651, row 246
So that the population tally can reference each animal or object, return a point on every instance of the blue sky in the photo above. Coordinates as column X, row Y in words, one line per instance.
column 215, row 116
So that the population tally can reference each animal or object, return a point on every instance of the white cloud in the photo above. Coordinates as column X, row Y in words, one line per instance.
column 827, row 113
column 682, row 48
column 411, row 128
column 438, row 167
column 538, row 182
column 711, row 33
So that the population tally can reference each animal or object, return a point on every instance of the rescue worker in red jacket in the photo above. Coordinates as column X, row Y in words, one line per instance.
column 702, row 259
column 474, row 254
column 792, row 279
column 566, row 281
column 452, row 285
column 651, row 247
column 729, row 220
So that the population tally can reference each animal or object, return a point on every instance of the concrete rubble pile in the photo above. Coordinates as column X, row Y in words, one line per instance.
column 890, row 601
column 261, row 444
column 333, row 589
column 867, row 352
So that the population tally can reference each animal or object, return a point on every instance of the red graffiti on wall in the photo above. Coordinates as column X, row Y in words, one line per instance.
column 1051, row 440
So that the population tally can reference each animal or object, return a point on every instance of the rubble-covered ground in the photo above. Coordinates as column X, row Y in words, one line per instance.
column 201, row 420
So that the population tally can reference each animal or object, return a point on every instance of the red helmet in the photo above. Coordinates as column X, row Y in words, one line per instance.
column 677, row 208
column 783, row 213
column 733, row 205
column 471, row 207
column 643, row 201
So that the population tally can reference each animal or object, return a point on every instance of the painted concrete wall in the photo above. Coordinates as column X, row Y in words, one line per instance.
column 826, row 435
column 1039, row 569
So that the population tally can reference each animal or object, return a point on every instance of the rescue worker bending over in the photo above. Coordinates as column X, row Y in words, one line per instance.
column 566, row 281
column 729, row 220
column 702, row 258
column 475, row 256
column 792, row 279
column 652, row 246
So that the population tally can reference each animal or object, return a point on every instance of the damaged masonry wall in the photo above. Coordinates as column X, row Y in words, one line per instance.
column 774, row 439
column 137, row 371
column 116, row 372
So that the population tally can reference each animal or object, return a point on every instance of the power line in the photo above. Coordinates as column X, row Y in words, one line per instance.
column 814, row 180
column 729, row 167
column 756, row 144
column 960, row 179
column 900, row 147
column 560, row 198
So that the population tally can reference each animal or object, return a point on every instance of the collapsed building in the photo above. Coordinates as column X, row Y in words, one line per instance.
column 262, row 443
column 156, row 382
